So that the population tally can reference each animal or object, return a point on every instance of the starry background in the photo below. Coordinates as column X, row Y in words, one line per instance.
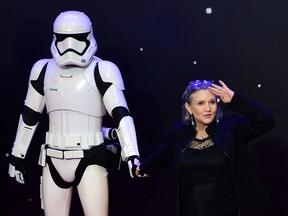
column 159, row 47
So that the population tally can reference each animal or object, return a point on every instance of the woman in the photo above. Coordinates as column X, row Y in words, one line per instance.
column 210, row 155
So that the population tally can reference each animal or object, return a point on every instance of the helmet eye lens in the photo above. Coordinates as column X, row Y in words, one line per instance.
column 79, row 37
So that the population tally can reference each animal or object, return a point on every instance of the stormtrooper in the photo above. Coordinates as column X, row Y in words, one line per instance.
column 78, row 89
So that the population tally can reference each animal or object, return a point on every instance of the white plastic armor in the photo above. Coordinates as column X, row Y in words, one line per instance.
column 34, row 100
column 75, row 108
column 21, row 144
column 109, row 72
column 23, row 138
column 69, row 46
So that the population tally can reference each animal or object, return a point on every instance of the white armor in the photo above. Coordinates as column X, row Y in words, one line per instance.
column 76, row 50
column 76, row 108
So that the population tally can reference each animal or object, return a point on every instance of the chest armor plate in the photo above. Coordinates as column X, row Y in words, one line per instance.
column 72, row 89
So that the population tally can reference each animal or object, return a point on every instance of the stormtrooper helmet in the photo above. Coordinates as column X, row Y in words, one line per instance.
column 73, row 41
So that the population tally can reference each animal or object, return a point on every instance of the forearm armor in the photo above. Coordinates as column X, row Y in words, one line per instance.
column 23, row 138
column 127, row 137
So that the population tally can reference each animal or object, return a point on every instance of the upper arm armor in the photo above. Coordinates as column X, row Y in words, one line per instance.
column 110, row 73
column 35, row 94
column 110, row 85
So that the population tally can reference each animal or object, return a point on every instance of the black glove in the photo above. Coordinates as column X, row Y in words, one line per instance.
column 16, row 169
column 133, row 162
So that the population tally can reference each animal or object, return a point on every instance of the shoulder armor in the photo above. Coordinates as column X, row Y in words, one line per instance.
column 36, row 69
column 110, row 73
column 35, row 94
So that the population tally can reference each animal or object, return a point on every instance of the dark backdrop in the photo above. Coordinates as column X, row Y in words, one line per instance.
column 159, row 46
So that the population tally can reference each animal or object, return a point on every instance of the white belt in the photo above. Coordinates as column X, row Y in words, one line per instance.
column 64, row 142
column 65, row 154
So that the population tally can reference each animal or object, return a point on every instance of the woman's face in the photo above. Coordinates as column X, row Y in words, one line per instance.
column 203, row 106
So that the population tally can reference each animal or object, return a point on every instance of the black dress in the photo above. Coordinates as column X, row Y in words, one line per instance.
column 205, row 175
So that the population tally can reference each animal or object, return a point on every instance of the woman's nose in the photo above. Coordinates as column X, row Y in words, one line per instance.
column 207, row 107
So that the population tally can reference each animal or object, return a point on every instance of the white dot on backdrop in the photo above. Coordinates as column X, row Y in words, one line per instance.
column 259, row 85
column 194, row 62
column 141, row 49
column 208, row 10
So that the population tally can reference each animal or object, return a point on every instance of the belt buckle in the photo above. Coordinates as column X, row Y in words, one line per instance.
column 73, row 154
